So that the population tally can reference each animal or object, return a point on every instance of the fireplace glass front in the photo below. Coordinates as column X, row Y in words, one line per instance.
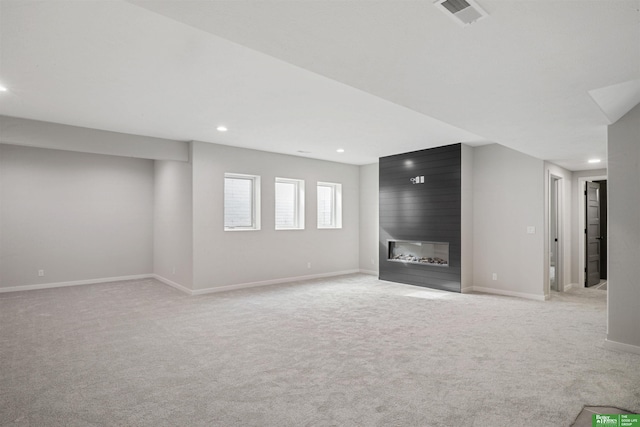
column 424, row 253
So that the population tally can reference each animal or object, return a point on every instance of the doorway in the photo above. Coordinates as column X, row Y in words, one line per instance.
column 581, row 229
column 595, row 232
column 554, row 234
column 603, row 229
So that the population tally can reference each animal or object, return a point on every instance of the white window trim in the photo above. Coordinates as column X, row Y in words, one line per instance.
column 255, row 211
column 337, row 204
column 298, row 203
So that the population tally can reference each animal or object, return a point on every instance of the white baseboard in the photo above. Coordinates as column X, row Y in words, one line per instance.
column 569, row 286
column 75, row 283
column 269, row 282
column 508, row 293
column 618, row 346
column 173, row 284
column 370, row 272
column 177, row 285
column 466, row 290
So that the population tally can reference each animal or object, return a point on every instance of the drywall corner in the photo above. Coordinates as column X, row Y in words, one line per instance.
column 173, row 222
column 467, row 218
column 624, row 230
column 369, row 218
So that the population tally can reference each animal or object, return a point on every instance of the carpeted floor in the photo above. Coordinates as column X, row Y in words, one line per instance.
column 347, row 351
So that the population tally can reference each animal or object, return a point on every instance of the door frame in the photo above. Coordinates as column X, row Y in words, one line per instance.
column 560, row 258
column 558, row 180
column 582, row 187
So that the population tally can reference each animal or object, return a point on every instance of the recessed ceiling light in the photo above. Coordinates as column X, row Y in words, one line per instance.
column 221, row 129
column 594, row 160
column 3, row 89
column 340, row 150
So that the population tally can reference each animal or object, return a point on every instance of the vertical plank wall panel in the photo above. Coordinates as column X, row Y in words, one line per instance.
column 429, row 212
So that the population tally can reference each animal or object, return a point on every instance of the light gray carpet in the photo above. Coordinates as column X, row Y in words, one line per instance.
column 348, row 351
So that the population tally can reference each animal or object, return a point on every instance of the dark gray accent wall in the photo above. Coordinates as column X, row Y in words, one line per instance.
column 430, row 211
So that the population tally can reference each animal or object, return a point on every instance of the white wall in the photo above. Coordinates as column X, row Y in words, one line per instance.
column 566, row 226
column 76, row 216
column 173, row 222
column 508, row 197
column 624, row 232
column 241, row 257
column 369, row 218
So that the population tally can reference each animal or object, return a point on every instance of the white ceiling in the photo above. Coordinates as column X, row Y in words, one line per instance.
column 373, row 77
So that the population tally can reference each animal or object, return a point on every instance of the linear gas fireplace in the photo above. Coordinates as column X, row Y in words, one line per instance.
column 414, row 252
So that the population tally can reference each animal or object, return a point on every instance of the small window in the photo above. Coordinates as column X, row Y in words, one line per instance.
column 329, row 205
column 289, row 204
column 241, row 202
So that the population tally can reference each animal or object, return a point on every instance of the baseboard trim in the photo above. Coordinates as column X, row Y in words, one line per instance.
column 618, row 346
column 370, row 272
column 173, row 284
column 509, row 293
column 75, row 283
column 467, row 290
column 569, row 286
column 270, row 282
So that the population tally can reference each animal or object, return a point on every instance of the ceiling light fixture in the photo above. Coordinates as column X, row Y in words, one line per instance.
column 594, row 160
column 221, row 129
column 340, row 150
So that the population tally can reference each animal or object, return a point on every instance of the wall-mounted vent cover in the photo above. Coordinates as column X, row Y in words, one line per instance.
column 464, row 12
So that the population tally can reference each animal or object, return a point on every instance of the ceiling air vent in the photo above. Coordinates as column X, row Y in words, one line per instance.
column 464, row 12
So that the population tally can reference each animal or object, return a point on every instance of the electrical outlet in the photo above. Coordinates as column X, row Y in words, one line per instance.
column 531, row 230
column 373, row 261
column 495, row 276
column 308, row 265
column 174, row 269
column 41, row 273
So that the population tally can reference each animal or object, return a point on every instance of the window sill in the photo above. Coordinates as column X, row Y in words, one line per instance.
column 241, row 229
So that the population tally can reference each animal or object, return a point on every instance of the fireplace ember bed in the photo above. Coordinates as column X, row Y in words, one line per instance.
column 422, row 253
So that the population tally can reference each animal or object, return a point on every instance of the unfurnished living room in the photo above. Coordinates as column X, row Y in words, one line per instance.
column 319, row 212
